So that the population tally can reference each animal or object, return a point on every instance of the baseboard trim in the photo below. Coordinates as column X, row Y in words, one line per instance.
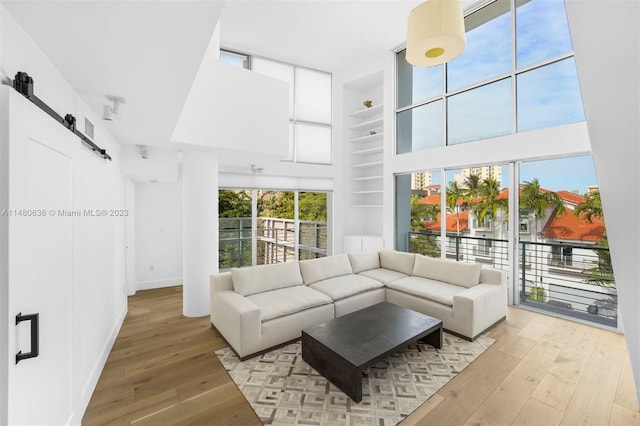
column 149, row 285
column 92, row 382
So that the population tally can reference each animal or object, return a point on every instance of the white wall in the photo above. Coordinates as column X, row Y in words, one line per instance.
column 606, row 39
column 235, row 109
column 158, row 235
column 569, row 139
column 4, row 258
column 160, row 165
column 99, row 300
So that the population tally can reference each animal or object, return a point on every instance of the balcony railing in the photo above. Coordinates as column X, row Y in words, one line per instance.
column 275, row 238
column 569, row 279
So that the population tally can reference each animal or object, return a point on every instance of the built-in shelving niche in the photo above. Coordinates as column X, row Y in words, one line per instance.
column 364, row 133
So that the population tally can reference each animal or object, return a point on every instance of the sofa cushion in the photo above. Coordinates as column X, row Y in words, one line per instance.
column 397, row 261
column 364, row 261
column 385, row 276
column 427, row 289
column 448, row 271
column 315, row 270
column 257, row 279
column 285, row 301
column 342, row 287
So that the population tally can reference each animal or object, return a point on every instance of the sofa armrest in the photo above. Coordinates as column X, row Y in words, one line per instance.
column 237, row 319
column 480, row 306
column 221, row 282
column 493, row 276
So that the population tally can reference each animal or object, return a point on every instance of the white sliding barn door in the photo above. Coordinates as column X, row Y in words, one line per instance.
column 40, row 274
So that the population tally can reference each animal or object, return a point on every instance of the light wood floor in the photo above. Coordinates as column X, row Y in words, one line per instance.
column 541, row 371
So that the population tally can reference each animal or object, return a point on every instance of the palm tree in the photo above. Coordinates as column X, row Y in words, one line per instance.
column 602, row 273
column 455, row 194
column 421, row 213
column 591, row 207
column 489, row 204
column 536, row 202
column 472, row 184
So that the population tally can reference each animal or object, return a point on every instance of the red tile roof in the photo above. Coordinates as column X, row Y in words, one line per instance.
column 435, row 199
column 571, row 197
column 566, row 227
column 570, row 227
column 430, row 199
column 451, row 223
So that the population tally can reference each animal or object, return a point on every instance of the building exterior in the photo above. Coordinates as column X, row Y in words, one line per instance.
column 421, row 181
column 483, row 172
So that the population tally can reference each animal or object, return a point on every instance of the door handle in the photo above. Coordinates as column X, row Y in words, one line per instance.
column 35, row 336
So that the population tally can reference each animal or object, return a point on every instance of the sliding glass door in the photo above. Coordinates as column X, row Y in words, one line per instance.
column 258, row 227
column 557, row 248
column 563, row 256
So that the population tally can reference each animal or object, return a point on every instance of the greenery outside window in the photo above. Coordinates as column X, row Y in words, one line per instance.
column 266, row 226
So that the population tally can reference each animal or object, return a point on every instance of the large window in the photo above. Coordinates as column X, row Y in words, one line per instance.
column 470, row 209
column 480, row 113
column 483, row 92
column 539, row 219
column 488, row 51
column 562, row 262
column 309, row 109
column 542, row 31
column 549, row 96
column 420, row 128
column 259, row 227
column 235, row 232
column 565, row 265
column 276, row 228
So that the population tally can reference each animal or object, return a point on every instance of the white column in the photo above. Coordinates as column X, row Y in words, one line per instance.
column 200, row 229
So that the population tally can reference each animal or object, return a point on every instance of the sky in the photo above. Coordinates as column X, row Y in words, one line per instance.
column 573, row 174
column 569, row 174
column 546, row 96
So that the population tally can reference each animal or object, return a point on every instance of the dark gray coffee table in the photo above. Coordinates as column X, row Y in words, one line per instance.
column 342, row 348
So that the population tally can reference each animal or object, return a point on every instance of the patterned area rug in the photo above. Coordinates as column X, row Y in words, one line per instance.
column 284, row 390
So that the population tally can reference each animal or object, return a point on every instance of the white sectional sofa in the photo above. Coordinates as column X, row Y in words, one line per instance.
column 258, row 308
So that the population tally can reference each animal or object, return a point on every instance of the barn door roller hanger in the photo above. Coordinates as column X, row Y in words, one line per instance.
column 23, row 83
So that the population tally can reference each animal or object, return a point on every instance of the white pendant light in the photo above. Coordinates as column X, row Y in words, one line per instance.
column 435, row 33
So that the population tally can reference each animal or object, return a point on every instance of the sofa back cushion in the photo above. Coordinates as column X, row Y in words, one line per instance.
column 258, row 279
column 315, row 270
column 397, row 261
column 448, row 271
column 364, row 261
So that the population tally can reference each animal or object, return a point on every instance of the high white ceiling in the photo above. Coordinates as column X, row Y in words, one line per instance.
column 145, row 51
column 149, row 51
column 328, row 35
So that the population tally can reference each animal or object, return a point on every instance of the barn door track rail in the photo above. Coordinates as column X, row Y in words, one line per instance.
column 23, row 84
